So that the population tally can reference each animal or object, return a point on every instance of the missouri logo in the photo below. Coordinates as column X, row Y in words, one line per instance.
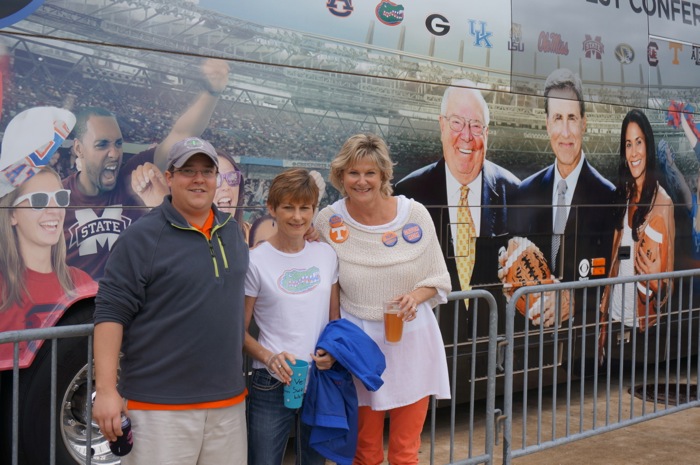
column 624, row 54
column 389, row 13
column 16, row 10
column 90, row 231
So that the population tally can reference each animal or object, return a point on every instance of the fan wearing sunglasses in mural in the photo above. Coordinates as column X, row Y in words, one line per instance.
column 229, row 190
column 34, row 276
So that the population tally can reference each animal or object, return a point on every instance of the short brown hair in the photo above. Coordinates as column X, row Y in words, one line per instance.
column 293, row 185
column 355, row 149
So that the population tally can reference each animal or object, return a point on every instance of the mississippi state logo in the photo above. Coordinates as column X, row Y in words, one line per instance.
column 593, row 48
column 16, row 10
column 342, row 8
column 389, row 13
column 653, row 54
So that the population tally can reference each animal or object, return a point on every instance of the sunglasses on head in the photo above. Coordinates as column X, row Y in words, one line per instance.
column 40, row 200
column 232, row 178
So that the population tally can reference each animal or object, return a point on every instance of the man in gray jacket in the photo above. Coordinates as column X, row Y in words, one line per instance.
column 172, row 301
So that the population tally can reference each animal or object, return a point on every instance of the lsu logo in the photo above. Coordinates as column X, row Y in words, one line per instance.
column 516, row 38
column 342, row 8
column 389, row 13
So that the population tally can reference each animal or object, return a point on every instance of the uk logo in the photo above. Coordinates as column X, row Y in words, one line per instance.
column 593, row 48
column 653, row 54
column 389, row 13
column 481, row 36
column 342, row 8
column 516, row 38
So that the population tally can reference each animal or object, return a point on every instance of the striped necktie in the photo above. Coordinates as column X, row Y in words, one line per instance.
column 559, row 222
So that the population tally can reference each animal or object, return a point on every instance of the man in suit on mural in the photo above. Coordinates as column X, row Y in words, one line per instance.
column 564, row 208
column 476, row 190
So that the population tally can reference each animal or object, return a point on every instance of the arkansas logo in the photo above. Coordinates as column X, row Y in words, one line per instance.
column 389, row 13
column 16, row 10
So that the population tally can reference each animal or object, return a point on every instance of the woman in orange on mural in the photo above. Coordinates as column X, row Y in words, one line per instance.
column 645, row 228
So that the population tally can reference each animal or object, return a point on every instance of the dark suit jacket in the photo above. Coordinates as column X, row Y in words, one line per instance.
column 589, row 226
column 427, row 186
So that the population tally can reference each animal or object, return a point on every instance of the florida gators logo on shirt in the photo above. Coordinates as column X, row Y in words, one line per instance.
column 299, row 281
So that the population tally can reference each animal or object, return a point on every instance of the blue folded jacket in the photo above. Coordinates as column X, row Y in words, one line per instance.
column 330, row 402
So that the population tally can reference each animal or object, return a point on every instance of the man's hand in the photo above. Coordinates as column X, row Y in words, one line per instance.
column 149, row 184
column 215, row 73
column 107, row 412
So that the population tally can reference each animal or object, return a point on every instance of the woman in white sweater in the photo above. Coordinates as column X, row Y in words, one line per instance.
column 388, row 250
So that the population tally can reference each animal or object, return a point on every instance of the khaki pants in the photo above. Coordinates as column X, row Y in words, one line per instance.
column 189, row 437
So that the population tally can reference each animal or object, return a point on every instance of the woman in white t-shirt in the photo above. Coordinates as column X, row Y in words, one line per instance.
column 292, row 292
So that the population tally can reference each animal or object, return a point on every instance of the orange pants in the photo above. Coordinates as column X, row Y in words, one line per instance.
column 405, row 427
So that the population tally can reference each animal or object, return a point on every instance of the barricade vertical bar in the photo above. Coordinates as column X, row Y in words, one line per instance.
column 15, row 403
column 88, row 406
column 52, row 434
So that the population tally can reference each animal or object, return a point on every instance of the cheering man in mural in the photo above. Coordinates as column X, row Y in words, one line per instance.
column 566, row 215
column 464, row 178
column 102, row 182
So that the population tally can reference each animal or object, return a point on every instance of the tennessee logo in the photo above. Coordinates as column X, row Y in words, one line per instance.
column 17, row 10
column 299, row 281
column 91, row 230
column 593, row 48
column 389, row 13
column 339, row 234
column 340, row 8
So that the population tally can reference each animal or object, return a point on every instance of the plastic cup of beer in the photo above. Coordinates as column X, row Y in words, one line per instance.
column 393, row 324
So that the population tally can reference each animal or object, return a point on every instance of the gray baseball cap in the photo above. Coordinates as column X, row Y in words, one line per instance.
column 183, row 150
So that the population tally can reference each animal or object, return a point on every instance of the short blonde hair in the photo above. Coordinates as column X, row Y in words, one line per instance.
column 356, row 148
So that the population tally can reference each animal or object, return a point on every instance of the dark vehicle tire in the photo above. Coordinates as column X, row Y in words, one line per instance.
column 71, row 397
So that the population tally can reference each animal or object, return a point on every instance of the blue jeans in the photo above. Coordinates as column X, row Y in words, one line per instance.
column 270, row 422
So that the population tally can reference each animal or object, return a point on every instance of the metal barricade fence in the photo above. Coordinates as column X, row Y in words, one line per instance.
column 665, row 363
column 481, row 420
column 592, row 383
column 51, row 335
column 486, row 424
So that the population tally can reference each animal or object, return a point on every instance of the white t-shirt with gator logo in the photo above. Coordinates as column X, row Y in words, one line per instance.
column 292, row 294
